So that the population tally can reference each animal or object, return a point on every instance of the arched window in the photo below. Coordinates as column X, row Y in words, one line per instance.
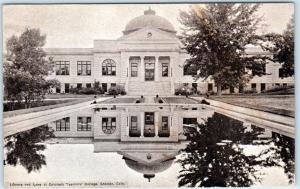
column 109, row 67
column 108, row 125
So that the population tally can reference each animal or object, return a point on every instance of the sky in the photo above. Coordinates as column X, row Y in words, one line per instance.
column 76, row 26
column 77, row 163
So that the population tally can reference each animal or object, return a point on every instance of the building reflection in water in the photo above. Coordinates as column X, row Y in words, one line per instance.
column 150, row 138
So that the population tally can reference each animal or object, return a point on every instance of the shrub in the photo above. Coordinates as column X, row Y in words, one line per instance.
column 87, row 91
column 184, row 91
column 116, row 90
column 278, row 88
column 252, row 91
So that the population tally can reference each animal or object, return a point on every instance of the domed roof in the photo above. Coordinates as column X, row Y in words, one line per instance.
column 149, row 170
column 149, row 19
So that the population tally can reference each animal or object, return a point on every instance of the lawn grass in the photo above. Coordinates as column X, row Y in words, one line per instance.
column 179, row 100
column 48, row 106
column 125, row 100
column 61, row 96
column 278, row 104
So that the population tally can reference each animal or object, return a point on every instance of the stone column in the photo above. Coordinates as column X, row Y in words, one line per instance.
column 156, row 78
column 142, row 123
column 127, row 125
column 171, row 70
column 127, row 70
column 141, row 73
column 156, row 123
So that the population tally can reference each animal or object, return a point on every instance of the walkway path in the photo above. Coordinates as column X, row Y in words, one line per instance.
column 277, row 104
column 15, row 122
column 278, row 123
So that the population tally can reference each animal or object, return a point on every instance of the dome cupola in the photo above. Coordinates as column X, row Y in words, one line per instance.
column 150, row 20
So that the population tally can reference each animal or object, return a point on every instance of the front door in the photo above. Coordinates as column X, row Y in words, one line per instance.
column 149, row 71
column 149, row 68
column 104, row 87
column 149, row 129
column 67, row 87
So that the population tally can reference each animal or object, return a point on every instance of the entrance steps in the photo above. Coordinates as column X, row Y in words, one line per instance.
column 150, row 88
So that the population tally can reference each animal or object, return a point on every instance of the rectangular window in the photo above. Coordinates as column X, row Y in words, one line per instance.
column 149, row 118
column 231, row 89
column 241, row 88
column 57, row 89
column 165, row 70
column 134, row 69
column 133, row 123
column 284, row 85
column 79, row 85
column 165, row 62
column 134, row 61
column 63, row 124
column 164, row 123
column 210, row 87
column 189, row 121
column 88, row 85
column 104, row 87
column 67, row 87
column 83, row 67
column 253, row 86
column 62, row 67
column 113, row 84
column 84, row 123
column 262, row 87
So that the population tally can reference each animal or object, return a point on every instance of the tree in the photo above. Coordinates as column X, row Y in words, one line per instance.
column 282, row 47
column 24, row 148
column 216, row 37
column 210, row 162
column 25, row 68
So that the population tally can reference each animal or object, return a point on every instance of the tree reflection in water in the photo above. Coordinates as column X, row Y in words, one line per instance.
column 214, row 156
column 25, row 148
column 282, row 154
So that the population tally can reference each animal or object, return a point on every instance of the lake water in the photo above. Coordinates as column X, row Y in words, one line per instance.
column 140, row 146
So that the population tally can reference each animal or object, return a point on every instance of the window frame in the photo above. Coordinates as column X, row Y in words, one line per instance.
column 189, row 120
column 165, row 65
column 133, row 128
column 133, row 73
column 134, row 60
column 62, row 127
column 149, row 62
column 164, row 119
column 88, row 85
column 106, row 128
column 85, row 124
column 62, row 67
column 79, row 84
column 84, row 65
column 109, row 67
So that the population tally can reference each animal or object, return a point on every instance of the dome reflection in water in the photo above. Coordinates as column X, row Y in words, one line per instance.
column 210, row 153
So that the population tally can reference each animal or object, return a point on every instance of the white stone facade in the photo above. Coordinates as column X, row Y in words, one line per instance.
column 147, row 38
